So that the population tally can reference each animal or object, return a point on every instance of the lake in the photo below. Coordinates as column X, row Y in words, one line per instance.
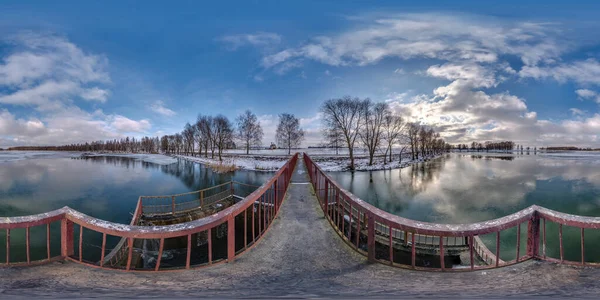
column 103, row 187
column 472, row 187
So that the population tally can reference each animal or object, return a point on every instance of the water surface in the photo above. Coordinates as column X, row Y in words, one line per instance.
column 465, row 188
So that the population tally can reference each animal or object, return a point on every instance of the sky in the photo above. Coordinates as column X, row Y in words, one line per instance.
column 76, row 71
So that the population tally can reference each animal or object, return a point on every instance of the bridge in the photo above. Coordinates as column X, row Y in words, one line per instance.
column 296, row 251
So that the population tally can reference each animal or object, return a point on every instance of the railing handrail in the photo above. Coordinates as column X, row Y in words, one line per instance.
column 190, row 193
column 465, row 229
column 140, row 232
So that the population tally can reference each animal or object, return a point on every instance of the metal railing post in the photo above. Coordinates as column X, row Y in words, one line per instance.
column 533, row 236
column 371, row 238
column 326, row 200
column 230, row 239
column 66, row 238
column 173, row 204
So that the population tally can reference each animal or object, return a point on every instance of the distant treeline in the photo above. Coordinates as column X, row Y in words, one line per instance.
column 571, row 148
column 145, row 144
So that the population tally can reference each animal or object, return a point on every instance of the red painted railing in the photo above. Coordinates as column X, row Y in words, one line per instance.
column 216, row 238
column 398, row 241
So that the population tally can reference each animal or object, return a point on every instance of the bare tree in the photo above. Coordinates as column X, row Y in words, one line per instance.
column 344, row 115
column 206, row 126
column 188, row 138
column 289, row 134
column 249, row 130
column 371, row 131
column 223, row 134
column 393, row 131
column 413, row 139
column 335, row 138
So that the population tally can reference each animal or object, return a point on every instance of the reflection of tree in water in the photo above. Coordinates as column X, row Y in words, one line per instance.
column 193, row 175
column 118, row 161
column 490, row 157
column 422, row 174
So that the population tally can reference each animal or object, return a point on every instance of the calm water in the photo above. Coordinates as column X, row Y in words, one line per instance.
column 464, row 188
column 103, row 187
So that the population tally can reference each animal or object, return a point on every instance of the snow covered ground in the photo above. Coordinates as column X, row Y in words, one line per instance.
column 251, row 162
column 361, row 163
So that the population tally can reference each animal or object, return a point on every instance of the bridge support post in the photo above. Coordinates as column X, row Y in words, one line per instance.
column 230, row 239
column 371, row 238
column 66, row 238
column 533, row 236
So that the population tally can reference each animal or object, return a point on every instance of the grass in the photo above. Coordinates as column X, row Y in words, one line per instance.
column 222, row 167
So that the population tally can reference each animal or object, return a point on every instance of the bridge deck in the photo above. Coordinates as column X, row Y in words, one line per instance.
column 300, row 256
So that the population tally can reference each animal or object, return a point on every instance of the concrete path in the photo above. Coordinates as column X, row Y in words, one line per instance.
column 300, row 257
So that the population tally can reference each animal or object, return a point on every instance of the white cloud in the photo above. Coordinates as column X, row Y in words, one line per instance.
column 9, row 125
column 438, row 36
column 125, row 125
column 260, row 39
column 582, row 72
column 50, row 74
column 66, row 126
column 588, row 95
column 399, row 71
column 95, row 94
column 160, row 108
column 473, row 74
column 44, row 71
column 577, row 111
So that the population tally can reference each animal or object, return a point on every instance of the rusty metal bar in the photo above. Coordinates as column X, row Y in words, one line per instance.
column 259, row 215
column 344, row 219
column 27, row 245
column 103, row 249
column 518, row 242
column 7, row 246
column 161, row 247
column 188, row 258
column 358, row 228
column 245, row 228
column 210, row 246
column 544, row 239
column 442, row 262
column 66, row 236
column 80, row 243
column 253, row 224
column 48, row 240
column 173, row 205
column 391, row 247
column 471, row 239
column 230, row 239
column 413, row 255
column 130, row 253
column 326, row 199
column 560, row 238
column 337, row 200
column 533, row 236
column 497, row 248
column 350, row 225
column 371, row 238
column 582, row 247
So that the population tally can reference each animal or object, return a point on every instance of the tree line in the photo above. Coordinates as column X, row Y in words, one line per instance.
column 487, row 146
column 209, row 134
column 353, row 122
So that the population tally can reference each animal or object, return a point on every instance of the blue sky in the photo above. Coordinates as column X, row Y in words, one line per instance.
column 73, row 71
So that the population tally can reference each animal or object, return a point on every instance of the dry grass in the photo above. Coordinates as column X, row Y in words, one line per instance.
column 223, row 167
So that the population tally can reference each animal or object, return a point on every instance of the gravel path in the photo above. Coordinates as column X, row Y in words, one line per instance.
column 300, row 257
